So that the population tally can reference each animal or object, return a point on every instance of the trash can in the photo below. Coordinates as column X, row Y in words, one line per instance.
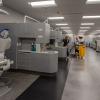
column 82, row 49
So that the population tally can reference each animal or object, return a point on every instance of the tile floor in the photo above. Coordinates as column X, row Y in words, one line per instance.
column 83, row 81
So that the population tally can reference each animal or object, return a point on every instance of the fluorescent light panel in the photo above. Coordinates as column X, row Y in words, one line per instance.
column 87, row 24
column 85, row 27
column 47, row 3
column 93, row 2
column 91, row 17
column 54, row 18
column 83, row 30
column 97, row 30
column 65, row 27
column 81, row 33
column 62, row 24
column 69, row 30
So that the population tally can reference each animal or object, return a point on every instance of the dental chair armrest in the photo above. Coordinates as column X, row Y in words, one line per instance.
column 5, row 65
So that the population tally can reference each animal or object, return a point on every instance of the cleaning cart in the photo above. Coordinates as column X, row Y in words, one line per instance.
column 80, row 51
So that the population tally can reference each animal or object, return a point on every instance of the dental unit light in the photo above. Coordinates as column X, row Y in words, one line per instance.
column 4, row 12
column 93, row 2
column 55, row 18
column 48, row 3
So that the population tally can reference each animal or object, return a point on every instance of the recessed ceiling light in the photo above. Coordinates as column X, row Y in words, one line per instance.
column 62, row 24
column 87, row 24
column 85, row 27
column 48, row 3
column 90, row 17
column 54, row 18
column 93, row 2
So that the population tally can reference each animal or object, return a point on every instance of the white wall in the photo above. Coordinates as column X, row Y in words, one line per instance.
column 89, row 38
column 12, row 17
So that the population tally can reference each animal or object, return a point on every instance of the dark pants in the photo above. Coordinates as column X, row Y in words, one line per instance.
column 67, row 52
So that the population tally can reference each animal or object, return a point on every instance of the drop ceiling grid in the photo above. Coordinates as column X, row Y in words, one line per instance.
column 72, row 10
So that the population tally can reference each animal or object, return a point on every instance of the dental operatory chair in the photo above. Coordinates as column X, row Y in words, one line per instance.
column 5, row 43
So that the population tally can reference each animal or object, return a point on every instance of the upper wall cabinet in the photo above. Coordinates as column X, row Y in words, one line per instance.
column 41, row 31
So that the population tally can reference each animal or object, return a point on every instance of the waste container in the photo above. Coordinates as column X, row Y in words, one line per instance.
column 82, row 50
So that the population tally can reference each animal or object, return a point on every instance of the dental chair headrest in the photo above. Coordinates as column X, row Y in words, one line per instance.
column 4, row 33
